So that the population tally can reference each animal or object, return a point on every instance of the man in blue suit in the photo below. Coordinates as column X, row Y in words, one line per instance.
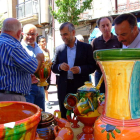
column 74, row 62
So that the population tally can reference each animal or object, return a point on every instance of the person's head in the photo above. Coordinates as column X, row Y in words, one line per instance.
column 80, row 38
column 12, row 27
column 67, row 32
column 105, row 25
column 126, row 28
column 42, row 42
column 29, row 34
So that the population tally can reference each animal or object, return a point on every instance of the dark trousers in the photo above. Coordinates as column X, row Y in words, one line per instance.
column 71, row 88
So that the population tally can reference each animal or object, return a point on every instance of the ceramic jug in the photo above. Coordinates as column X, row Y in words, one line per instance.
column 84, row 105
column 120, row 119
column 44, row 73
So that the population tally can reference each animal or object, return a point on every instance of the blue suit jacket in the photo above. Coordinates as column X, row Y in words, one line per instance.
column 84, row 59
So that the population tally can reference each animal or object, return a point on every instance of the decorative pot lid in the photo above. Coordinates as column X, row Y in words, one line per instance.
column 45, row 116
column 87, row 87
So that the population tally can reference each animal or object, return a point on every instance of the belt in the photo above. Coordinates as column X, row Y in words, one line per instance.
column 11, row 92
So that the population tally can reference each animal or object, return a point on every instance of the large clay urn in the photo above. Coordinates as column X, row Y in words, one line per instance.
column 44, row 73
column 84, row 105
column 18, row 120
column 120, row 119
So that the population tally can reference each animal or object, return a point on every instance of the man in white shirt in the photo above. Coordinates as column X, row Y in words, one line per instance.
column 127, row 30
column 37, row 94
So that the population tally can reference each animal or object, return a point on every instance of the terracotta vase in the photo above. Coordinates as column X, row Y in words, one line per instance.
column 44, row 73
column 84, row 105
column 18, row 120
column 120, row 119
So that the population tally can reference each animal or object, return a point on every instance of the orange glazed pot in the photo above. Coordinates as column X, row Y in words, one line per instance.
column 120, row 119
column 18, row 120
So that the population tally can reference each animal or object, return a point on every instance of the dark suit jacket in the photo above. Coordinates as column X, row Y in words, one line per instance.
column 84, row 59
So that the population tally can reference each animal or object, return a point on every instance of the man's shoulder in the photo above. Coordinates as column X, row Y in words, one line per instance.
column 83, row 44
column 9, row 40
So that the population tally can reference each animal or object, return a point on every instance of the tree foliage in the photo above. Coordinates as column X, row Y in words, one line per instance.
column 69, row 10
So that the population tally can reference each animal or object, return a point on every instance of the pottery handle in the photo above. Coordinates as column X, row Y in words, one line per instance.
column 100, row 82
column 56, row 130
column 57, row 112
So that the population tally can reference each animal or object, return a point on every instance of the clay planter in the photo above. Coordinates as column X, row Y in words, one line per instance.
column 120, row 119
column 18, row 120
column 44, row 73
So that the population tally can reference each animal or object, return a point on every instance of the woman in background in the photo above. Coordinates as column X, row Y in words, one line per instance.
column 42, row 44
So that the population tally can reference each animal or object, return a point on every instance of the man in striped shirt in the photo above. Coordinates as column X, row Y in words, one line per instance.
column 16, row 65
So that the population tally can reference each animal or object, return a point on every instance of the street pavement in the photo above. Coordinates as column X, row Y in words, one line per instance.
column 52, row 95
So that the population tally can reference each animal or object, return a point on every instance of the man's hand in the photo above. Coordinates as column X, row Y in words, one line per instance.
column 75, row 70
column 64, row 66
column 40, row 57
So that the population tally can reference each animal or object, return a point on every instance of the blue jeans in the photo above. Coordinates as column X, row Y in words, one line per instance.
column 36, row 96
column 97, row 78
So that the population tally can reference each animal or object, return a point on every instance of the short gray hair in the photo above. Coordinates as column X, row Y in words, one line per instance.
column 28, row 26
column 70, row 26
column 11, row 24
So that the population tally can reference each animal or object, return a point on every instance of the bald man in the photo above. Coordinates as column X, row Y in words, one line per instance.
column 16, row 66
column 37, row 93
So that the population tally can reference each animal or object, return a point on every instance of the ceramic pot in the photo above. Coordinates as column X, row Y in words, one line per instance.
column 121, row 115
column 61, row 122
column 44, row 73
column 64, row 133
column 84, row 105
column 46, row 126
column 18, row 120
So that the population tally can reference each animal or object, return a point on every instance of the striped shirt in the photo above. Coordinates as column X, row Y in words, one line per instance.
column 16, row 66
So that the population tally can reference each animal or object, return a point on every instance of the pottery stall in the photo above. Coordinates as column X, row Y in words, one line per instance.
column 18, row 120
column 120, row 118
column 84, row 105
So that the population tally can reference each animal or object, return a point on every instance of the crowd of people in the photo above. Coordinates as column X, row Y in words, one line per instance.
column 73, row 60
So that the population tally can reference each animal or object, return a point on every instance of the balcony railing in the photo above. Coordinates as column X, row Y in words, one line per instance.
column 27, row 9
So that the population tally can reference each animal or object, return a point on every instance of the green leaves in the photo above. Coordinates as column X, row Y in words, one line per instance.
column 69, row 10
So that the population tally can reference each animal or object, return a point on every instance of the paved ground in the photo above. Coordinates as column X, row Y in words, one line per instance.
column 53, row 99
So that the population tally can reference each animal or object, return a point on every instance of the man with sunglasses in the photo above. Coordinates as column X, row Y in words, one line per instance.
column 37, row 95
